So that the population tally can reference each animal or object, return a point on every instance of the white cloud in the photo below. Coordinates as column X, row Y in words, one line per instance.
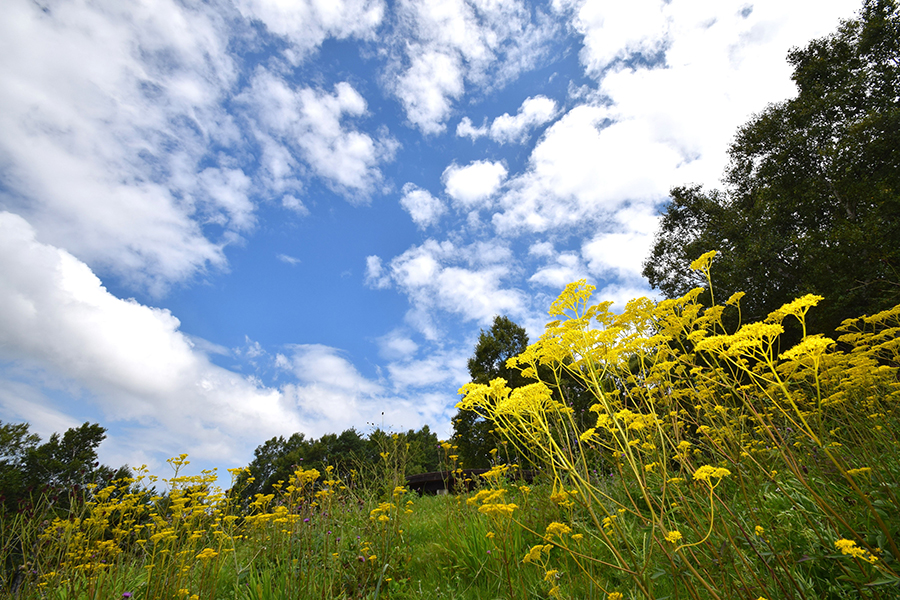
column 310, row 123
column 506, row 128
column 618, row 30
column 307, row 23
column 534, row 111
column 442, row 277
column 428, row 87
column 541, row 249
column 566, row 268
column 666, row 123
column 294, row 204
column 131, row 360
column 444, row 369
column 291, row 260
column 445, row 43
column 376, row 276
column 585, row 166
column 470, row 186
column 424, row 208
column 332, row 395
column 106, row 111
column 466, row 128
column 620, row 252
column 396, row 346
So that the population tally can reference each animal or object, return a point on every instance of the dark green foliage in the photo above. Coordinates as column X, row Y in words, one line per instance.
column 58, row 469
column 347, row 453
column 471, row 434
column 812, row 203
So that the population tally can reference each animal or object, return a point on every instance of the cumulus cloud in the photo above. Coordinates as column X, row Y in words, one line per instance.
column 294, row 204
column 466, row 128
column 332, row 395
column 446, row 369
column 674, row 82
column 506, row 128
column 107, row 112
column 131, row 360
column 618, row 30
column 396, row 346
column 620, row 251
column 585, row 166
column 309, row 123
column 466, row 281
column 534, row 111
column 443, row 44
column 307, row 23
column 376, row 275
column 424, row 208
column 566, row 268
column 472, row 185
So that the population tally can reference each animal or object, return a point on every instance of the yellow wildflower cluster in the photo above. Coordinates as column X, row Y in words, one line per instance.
column 492, row 503
column 850, row 548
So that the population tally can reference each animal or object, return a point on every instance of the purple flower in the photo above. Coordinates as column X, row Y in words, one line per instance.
column 126, row 594
column 306, row 520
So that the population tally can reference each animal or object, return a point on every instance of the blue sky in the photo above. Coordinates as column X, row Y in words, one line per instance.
column 223, row 221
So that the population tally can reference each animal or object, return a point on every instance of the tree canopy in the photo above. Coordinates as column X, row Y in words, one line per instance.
column 410, row 453
column 812, row 197
column 58, row 469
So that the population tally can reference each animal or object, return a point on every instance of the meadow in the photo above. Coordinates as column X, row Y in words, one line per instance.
column 711, row 463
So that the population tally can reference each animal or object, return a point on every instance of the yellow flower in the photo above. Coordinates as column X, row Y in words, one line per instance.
column 207, row 554
column 489, row 535
column 534, row 554
column 759, row 531
column 705, row 472
column 798, row 307
column 702, row 263
column 673, row 536
column 850, row 548
column 559, row 529
column 614, row 596
column 551, row 575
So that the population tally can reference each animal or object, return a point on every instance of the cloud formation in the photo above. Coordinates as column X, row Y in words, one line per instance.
column 424, row 208
column 310, row 125
column 465, row 281
column 472, row 185
column 445, row 44
column 308, row 23
column 515, row 129
column 132, row 360
column 114, row 108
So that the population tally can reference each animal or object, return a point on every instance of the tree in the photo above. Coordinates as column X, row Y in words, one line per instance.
column 812, row 198
column 58, row 469
column 472, row 434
